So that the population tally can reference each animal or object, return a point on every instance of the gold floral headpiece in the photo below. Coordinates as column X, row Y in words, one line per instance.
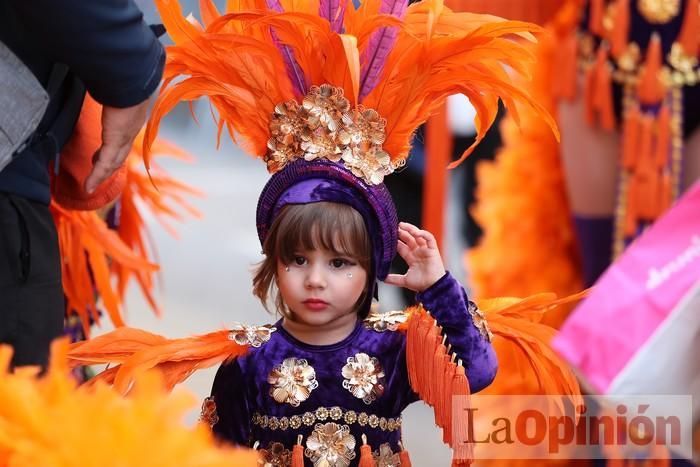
column 325, row 127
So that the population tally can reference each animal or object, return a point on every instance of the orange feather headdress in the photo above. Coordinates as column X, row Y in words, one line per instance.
column 384, row 67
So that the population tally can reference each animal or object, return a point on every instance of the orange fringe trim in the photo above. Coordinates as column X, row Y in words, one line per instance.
column 620, row 33
column 298, row 453
column 366, row 459
column 434, row 384
column 689, row 37
column 651, row 89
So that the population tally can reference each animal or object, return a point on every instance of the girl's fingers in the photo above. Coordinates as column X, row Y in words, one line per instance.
column 429, row 239
column 423, row 238
column 403, row 249
column 407, row 238
column 395, row 279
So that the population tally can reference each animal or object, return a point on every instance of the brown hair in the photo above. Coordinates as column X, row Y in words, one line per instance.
column 331, row 226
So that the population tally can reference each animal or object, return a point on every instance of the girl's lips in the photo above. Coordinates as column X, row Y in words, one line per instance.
column 315, row 304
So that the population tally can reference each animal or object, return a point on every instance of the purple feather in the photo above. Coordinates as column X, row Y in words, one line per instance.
column 294, row 71
column 380, row 45
column 334, row 12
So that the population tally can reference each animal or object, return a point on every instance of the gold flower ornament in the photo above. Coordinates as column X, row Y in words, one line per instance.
column 325, row 127
column 292, row 381
column 364, row 377
column 330, row 445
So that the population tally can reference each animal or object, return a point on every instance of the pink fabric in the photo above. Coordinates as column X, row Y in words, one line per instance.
column 634, row 296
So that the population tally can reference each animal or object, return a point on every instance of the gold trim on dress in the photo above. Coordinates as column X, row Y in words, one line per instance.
column 255, row 336
column 628, row 67
column 363, row 377
column 322, row 414
column 330, row 445
column 389, row 321
column 659, row 11
column 292, row 381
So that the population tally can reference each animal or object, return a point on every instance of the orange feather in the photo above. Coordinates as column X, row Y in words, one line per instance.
column 436, row 53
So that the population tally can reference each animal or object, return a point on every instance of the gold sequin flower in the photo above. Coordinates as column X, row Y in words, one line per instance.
column 208, row 414
column 365, row 127
column 330, row 445
column 254, row 336
column 364, row 377
column 325, row 105
column 321, row 146
column 479, row 321
column 287, row 125
column 275, row 456
column 385, row 457
column 292, row 381
column 325, row 127
column 372, row 165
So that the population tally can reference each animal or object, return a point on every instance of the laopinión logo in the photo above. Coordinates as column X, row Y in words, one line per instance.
column 546, row 427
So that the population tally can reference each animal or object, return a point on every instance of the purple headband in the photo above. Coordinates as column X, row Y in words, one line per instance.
column 304, row 182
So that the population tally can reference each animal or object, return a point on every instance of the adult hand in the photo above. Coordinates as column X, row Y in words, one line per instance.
column 119, row 128
column 419, row 249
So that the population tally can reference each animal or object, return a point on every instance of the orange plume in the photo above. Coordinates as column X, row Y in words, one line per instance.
column 92, row 254
column 136, row 351
column 246, row 70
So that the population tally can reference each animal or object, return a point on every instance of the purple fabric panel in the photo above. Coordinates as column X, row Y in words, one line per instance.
column 447, row 302
column 229, row 393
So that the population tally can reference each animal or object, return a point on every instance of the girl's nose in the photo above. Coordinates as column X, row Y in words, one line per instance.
column 315, row 278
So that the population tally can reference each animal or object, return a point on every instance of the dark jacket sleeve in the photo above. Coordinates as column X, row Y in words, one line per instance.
column 447, row 302
column 105, row 42
column 229, row 394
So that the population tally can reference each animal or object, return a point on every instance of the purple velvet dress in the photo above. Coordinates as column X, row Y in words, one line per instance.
column 333, row 394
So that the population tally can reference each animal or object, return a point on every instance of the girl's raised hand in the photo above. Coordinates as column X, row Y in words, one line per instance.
column 419, row 249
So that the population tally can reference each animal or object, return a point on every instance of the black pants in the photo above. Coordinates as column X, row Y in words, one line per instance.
column 31, row 296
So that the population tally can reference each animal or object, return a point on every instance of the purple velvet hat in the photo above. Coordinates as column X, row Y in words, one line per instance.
column 303, row 182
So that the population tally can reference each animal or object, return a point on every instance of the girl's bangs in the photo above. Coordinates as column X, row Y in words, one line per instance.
column 330, row 226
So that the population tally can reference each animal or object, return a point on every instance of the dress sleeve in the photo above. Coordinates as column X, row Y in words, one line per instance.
column 232, row 420
column 447, row 302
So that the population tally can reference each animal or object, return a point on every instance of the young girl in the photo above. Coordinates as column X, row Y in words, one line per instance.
column 329, row 96
column 330, row 373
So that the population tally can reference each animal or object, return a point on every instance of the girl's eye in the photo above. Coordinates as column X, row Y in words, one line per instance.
column 339, row 263
column 299, row 260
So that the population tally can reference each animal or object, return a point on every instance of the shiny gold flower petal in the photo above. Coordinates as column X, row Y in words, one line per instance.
column 292, row 381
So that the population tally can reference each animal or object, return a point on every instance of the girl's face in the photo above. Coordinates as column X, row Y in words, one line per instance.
column 319, row 286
